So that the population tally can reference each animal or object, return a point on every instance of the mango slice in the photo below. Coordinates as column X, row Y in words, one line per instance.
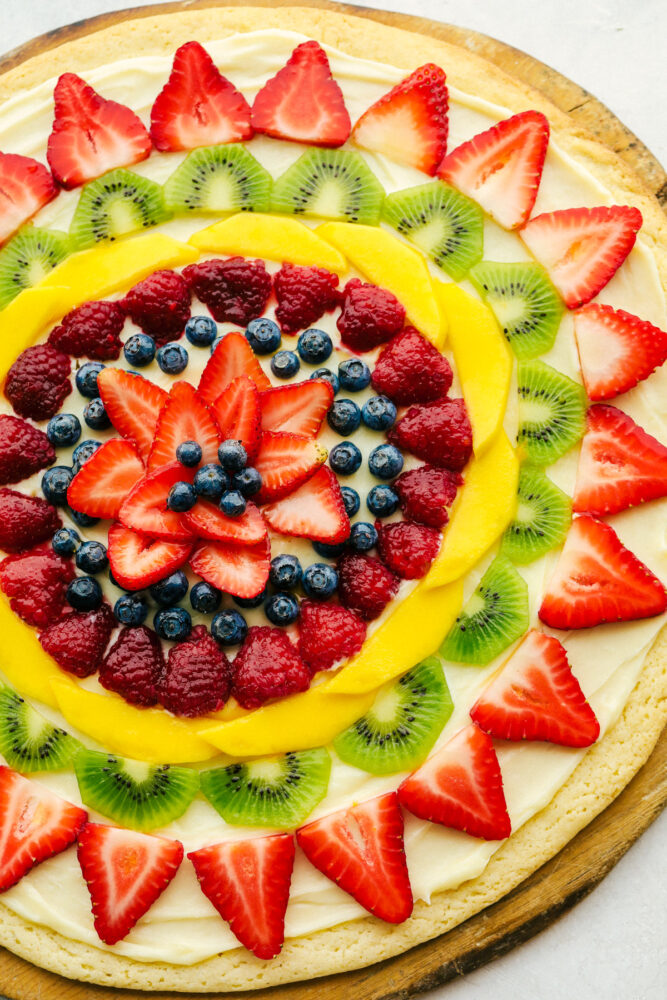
column 28, row 668
column 26, row 317
column 275, row 237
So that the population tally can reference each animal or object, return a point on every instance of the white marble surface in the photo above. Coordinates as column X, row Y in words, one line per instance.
column 613, row 945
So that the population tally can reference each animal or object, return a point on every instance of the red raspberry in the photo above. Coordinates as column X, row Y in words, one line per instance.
column 77, row 640
column 412, row 370
column 133, row 666
column 24, row 449
column 370, row 316
column 160, row 305
column 426, row 492
column 365, row 585
column 197, row 679
column 407, row 549
column 91, row 331
column 304, row 294
column 36, row 584
column 328, row 633
column 234, row 290
column 267, row 666
column 439, row 432
column 25, row 521
column 38, row 382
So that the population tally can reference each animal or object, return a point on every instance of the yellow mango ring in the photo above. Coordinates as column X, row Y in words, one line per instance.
column 482, row 510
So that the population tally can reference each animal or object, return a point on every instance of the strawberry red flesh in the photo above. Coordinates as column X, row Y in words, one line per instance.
column 284, row 462
column 145, row 507
column 206, row 520
column 315, row 510
column 184, row 417
column 616, row 349
column 299, row 408
column 25, row 186
column 102, row 483
column 232, row 358
column 132, row 404
column 137, row 562
column 238, row 415
column 240, row 570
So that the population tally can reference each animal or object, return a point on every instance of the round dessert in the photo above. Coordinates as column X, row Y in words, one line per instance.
column 332, row 504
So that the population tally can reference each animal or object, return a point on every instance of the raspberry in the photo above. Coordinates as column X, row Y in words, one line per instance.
column 77, row 640
column 133, row 666
column 411, row 370
column 160, row 305
column 426, row 492
column 267, row 666
column 234, row 290
column 439, row 432
column 38, row 382
column 365, row 585
column 91, row 331
column 304, row 294
column 370, row 316
column 197, row 679
column 24, row 449
column 328, row 633
column 25, row 521
column 407, row 549
column 36, row 583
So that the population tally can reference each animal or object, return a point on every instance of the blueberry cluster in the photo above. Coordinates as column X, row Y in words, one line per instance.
column 56, row 480
column 230, row 482
column 84, row 593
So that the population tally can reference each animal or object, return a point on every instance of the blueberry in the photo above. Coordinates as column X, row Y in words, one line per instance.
column 314, row 346
column 354, row 374
column 139, row 350
column 65, row 542
column 83, row 520
column 96, row 415
column 82, row 453
column 205, row 598
column 92, row 557
column 345, row 458
column 54, row 484
column 86, row 379
column 189, row 454
column 329, row 551
column 182, row 497
column 385, row 461
column 217, row 342
column 320, row 580
column 174, row 624
column 328, row 376
column 382, row 501
column 170, row 589
column 172, row 358
column 363, row 536
column 232, row 456
column 229, row 628
column 131, row 610
column 201, row 330
column 247, row 482
column 351, row 500
column 282, row 609
column 378, row 413
column 285, row 364
column 251, row 602
column 84, row 593
column 344, row 417
column 232, row 503
column 285, row 572
column 211, row 481
column 263, row 335
column 63, row 430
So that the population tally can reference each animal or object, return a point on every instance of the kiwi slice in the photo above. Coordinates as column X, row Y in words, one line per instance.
column 28, row 258
column 495, row 616
column 219, row 179
column 133, row 793
column 403, row 723
column 28, row 742
column 552, row 412
column 116, row 204
column 442, row 222
column 271, row 791
column 330, row 184
column 525, row 303
column 541, row 521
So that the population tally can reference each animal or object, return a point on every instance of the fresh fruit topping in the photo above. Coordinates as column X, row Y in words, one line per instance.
column 231, row 359
column 133, row 666
column 461, row 787
column 117, row 204
column 299, row 408
column 237, row 409
column 248, row 883
column 616, row 349
column 102, row 483
column 197, row 677
column 285, row 364
column 241, row 570
column 24, row 262
column 329, row 184
column 206, row 520
column 535, row 696
column 184, row 417
column 369, row 317
column 219, row 179
column 77, row 641
column 361, row 850
column 172, row 358
column 267, row 666
column 541, row 521
column 552, row 412
column 409, row 124
column 145, row 508
column 133, row 405
column 304, row 294
column 411, row 370
column 284, row 462
column 25, row 521
column 36, row 584
column 91, row 330
column 407, row 549
column 425, row 493
column 235, row 290
column 137, row 562
column 328, row 633
column 24, row 449
column 315, row 510
column 438, row 432
column 28, row 742
column 25, row 186
column 582, row 248
column 38, row 382
column 160, row 305
column 365, row 585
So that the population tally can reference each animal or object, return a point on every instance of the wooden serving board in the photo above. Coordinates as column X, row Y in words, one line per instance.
column 584, row 862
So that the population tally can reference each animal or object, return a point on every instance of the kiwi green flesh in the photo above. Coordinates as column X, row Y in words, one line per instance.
column 400, row 728
column 219, row 179
column 443, row 223
column 275, row 792
column 28, row 258
column 117, row 204
column 132, row 793
column 329, row 184
column 542, row 519
column 28, row 742
column 552, row 412
column 495, row 616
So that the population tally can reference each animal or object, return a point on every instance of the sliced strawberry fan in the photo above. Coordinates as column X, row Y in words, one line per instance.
column 184, row 417
column 232, row 358
column 25, row 186
column 133, row 405
column 101, row 485
column 137, row 561
column 238, row 414
column 616, row 349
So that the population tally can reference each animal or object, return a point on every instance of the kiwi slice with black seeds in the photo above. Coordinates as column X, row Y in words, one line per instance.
column 525, row 303
column 28, row 258
column 403, row 723
column 495, row 616
column 329, row 184
column 442, row 222
column 117, row 204
column 219, row 179
column 541, row 521
column 132, row 793
column 28, row 742
column 271, row 791
column 552, row 412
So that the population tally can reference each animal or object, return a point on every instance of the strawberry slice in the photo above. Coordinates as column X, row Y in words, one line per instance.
column 299, row 408
column 501, row 168
column 284, row 462
column 198, row 106
column 25, row 186
column 133, row 405
column 535, row 696
column 104, row 481
column 35, row 825
column 582, row 248
column 232, row 357
column 461, row 786
column 248, row 882
column 598, row 580
column 303, row 102
column 125, row 872
column 616, row 349
column 208, row 521
column 137, row 562
column 240, row 570
column 315, row 510
column 238, row 415
column 145, row 507
column 91, row 135
column 410, row 123
column 184, row 417
column 361, row 850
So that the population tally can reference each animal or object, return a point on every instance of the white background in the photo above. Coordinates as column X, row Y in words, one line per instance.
column 613, row 945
